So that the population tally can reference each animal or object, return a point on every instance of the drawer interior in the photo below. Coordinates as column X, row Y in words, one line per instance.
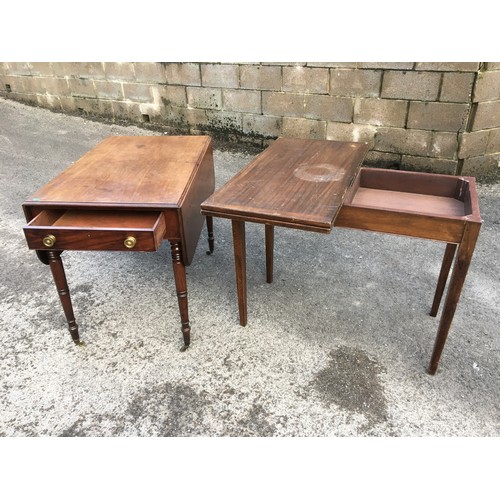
column 93, row 219
column 415, row 192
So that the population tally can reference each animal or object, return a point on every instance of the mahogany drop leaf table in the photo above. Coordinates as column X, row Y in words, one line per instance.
column 129, row 193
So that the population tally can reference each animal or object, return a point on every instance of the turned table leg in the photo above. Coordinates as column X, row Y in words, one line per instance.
column 443, row 276
column 57, row 269
column 240, row 266
column 269, row 252
column 210, row 231
column 462, row 262
column 181, row 287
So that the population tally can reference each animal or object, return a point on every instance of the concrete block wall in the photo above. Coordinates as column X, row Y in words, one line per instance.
column 438, row 117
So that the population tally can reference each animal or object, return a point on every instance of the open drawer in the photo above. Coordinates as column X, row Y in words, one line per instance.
column 433, row 206
column 95, row 230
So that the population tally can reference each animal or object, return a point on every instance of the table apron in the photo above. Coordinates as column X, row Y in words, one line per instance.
column 272, row 222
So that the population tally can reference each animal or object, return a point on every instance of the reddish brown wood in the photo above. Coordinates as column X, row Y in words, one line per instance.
column 181, row 288
column 294, row 183
column 415, row 204
column 210, row 233
column 443, row 277
column 148, row 188
column 269, row 252
column 57, row 269
column 96, row 230
column 400, row 223
column 462, row 262
column 433, row 206
column 202, row 184
column 411, row 182
column 305, row 184
column 240, row 264
column 409, row 202
column 129, row 171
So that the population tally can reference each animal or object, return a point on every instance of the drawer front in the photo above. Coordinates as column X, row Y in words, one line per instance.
column 87, row 230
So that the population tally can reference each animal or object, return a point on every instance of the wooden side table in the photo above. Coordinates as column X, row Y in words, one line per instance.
column 315, row 185
column 126, row 194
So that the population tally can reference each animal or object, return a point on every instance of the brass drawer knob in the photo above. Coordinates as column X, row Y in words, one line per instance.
column 49, row 240
column 130, row 242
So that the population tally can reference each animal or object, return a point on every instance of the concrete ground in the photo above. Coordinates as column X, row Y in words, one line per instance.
column 336, row 346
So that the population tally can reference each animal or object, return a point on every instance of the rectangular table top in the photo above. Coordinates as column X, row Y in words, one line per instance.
column 128, row 171
column 294, row 182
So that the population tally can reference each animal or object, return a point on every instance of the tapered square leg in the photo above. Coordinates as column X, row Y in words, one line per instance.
column 443, row 277
column 269, row 252
column 240, row 264
column 462, row 262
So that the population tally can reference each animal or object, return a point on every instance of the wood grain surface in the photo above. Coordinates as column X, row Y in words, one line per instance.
column 296, row 182
column 129, row 170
